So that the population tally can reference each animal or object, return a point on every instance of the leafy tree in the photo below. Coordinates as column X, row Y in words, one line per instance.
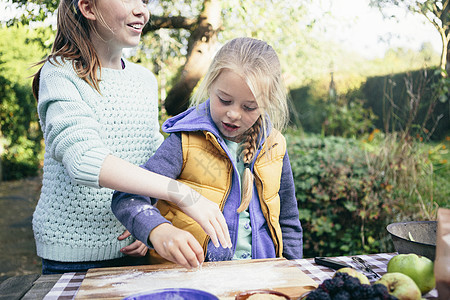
column 195, row 29
column 437, row 12
column 20, row 138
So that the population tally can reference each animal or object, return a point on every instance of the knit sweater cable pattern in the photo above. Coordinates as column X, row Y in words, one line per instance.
column 73, row 219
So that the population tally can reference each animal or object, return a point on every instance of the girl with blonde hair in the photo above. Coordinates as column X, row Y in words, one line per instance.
column 229, row 148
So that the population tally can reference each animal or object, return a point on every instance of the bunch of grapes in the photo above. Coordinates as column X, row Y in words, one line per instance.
column 345, row 287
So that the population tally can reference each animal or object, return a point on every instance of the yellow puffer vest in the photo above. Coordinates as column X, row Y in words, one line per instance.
column 208, row 170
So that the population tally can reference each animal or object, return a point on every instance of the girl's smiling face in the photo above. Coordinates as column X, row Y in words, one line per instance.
column 120, row 22
column 233, row 106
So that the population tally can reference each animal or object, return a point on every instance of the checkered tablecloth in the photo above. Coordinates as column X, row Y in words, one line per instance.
column 377, row 262
column 69, row 283
column 66, row 287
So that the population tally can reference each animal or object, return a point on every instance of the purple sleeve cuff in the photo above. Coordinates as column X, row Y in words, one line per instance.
column 137, row 215
column 144, row 222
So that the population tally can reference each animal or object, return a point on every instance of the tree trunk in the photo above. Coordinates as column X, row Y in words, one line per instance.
column 445, row 55
column 201, row 48
column 447, row 63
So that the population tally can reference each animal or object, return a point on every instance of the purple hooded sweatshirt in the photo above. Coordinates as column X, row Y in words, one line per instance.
column 139, row 216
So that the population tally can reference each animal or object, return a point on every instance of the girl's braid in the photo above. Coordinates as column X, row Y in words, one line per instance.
column 247, row 154
column 249, row 145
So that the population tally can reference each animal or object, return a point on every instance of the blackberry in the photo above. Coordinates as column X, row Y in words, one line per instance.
column 351, row 283
column 342, row 275
column 365, row 292
column 345, row 287
column 339, row 282
column 381, row 291
column 318, row 294
column 329, row 285
column 342, row 295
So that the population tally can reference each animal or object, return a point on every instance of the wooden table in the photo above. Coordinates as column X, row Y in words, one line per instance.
column 29, row 287
column 65, row 286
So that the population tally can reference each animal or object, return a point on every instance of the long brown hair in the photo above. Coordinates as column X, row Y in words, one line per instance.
column 72, row 42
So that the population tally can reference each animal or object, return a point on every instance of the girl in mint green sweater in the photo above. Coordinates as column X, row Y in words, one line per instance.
column 99, row 116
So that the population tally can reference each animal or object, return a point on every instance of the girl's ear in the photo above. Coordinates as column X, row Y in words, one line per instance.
column 86, row 9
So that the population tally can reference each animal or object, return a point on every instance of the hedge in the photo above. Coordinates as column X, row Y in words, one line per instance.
column 342, row 206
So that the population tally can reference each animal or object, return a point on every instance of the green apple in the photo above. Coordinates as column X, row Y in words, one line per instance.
column 352, row 272
column 400, row 286
column 419, row 268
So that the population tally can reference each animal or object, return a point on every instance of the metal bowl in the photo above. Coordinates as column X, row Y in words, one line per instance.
column 417, row 237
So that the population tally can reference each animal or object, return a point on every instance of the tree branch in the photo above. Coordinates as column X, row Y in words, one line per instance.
column 177, row 22
column 201, row 48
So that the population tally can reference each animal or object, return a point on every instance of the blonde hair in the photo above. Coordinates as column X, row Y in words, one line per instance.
column 72, row 42
column 258, row 64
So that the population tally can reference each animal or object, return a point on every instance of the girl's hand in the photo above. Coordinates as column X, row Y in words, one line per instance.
column 176, row 245
column 135, row 249
column 207, row 214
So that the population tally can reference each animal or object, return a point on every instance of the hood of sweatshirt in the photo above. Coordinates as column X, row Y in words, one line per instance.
column 192, row 119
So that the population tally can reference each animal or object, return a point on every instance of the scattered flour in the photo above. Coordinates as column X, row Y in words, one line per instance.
column 216, row 280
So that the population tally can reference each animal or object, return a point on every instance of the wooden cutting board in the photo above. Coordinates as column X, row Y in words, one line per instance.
column 223, row 279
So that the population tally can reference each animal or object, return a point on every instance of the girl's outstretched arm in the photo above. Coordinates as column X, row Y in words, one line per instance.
column 121, row 175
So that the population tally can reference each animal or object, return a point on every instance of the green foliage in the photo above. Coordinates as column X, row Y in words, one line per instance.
column 348, row 190
column 309, row 106
column 417, row 173
column 439, row 156
column 342, row 205
column 417, row 100
column 33, row 11
column 441, row 86
column 287, row 26
column 348, row 116
column 21, row 135
column 282, row 23
column 20, row 139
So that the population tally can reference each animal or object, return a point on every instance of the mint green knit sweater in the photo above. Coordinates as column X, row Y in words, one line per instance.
column 73, row 219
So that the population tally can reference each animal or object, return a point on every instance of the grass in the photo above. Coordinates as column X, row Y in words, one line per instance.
column 416, row 172
column 440, row 158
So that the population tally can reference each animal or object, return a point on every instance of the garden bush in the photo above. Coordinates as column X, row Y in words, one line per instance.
column 20, row 137
column 411, row 169
column 344, row 115
column 21, row 147
column 342, row 205
column 349, row 190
